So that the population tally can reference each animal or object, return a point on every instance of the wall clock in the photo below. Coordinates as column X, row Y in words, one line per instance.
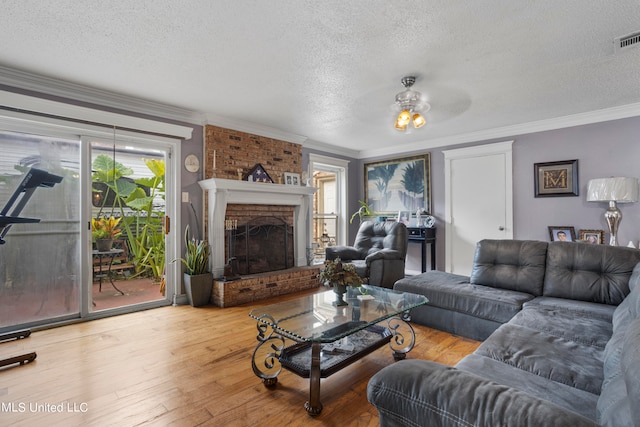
column 191, row 163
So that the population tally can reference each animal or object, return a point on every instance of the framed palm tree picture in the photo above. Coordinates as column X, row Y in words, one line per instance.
column 395, row 185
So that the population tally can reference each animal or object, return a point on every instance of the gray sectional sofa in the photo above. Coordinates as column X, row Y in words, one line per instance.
column 561, row 329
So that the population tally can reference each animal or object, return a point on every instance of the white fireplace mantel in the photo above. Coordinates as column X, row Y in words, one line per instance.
column 224, row 191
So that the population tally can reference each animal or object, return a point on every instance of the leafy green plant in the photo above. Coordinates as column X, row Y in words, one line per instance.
column 143, row 230
column 335, row 273
column 196, row 260
column 361, row 212
column 105, row 228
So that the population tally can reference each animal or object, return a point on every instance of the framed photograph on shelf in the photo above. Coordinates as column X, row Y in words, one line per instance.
column 291, row 178
column 404, row 217
column 562, row 234
column 556, row 179
column 592, row 237
column 402, row 184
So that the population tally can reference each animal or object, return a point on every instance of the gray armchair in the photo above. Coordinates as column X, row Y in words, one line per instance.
column 378, row 253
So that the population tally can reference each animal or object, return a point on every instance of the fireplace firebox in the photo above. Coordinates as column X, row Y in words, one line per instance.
column 263, row 244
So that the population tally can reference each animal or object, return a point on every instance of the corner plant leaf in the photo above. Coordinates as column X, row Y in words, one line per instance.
column 156, row 166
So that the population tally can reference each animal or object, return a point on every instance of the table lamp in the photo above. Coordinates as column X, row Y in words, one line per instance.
column 613, row 190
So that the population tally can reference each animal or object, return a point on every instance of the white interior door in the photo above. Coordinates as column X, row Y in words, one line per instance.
column 479, row 201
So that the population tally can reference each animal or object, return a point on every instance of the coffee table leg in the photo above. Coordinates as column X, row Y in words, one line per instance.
column 266, row 356
column 313, row 405
column 401, row 344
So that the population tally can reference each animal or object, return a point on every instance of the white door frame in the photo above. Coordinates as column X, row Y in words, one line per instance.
column 505, row 148
column 172, row 189
column 341, row 168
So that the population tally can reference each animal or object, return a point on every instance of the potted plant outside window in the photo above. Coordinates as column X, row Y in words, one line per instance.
column 198, row 281
column 104, row 231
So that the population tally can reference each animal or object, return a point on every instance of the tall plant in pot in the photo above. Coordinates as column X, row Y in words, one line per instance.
column 198, row 281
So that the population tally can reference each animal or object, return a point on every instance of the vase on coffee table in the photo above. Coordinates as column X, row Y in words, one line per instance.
column 340, row 290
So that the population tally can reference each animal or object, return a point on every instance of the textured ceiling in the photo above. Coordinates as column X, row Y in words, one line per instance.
column 329, row 70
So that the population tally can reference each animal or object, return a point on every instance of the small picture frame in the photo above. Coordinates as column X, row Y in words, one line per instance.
column 556, row 179
column 562, row 233
column 404, row 217
column 591, row 237
column 291, row 178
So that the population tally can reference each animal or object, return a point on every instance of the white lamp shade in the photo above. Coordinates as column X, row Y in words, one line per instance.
column 620, row 189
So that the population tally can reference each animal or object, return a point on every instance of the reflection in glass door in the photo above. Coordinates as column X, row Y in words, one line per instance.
column 127, row 224
column 40, row 256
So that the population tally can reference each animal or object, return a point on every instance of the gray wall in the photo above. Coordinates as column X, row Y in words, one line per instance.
column 602, row 149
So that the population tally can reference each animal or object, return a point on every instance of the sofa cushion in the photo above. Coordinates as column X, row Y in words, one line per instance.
column 631, row 368
column 453, row 292
column 517, row 265
column 573, row 399
column 579, row 308
column 619, row 402
column 595, row 273
column 555, row 358
column 580, row 328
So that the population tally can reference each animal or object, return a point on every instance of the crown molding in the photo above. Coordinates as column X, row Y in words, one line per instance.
column 597, row 116
column 63, row 89
column 253, row 128
column 332, row 149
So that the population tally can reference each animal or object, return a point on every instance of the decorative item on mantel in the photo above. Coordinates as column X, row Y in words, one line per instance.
column 339, row 275
column 258, row 174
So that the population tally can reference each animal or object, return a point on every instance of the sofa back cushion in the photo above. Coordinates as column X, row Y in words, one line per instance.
column 517, row 265
column 594, row 273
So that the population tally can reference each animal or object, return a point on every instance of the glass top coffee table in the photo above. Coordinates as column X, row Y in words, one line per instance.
column 324, row 338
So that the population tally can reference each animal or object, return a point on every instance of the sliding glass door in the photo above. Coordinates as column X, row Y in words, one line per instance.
column 55, row 187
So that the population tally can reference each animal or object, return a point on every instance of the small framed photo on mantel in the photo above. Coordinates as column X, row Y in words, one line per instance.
column 291, row 178
column 556, row 179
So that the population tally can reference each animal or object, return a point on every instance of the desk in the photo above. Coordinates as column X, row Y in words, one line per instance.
column 424, row 236
column 101, row 274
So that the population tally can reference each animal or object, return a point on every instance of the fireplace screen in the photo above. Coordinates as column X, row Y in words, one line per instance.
column 262, row 244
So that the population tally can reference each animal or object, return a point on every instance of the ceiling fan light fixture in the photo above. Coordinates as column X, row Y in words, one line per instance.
column 404, row 117
column 401, row 126
column 411, row 104
column 418, row 121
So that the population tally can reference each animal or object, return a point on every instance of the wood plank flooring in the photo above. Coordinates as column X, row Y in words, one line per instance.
column 182, row 366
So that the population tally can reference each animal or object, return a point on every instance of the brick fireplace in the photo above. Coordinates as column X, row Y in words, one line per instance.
column 229, row 155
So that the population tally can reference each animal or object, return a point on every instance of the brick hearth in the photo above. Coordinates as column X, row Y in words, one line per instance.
column 264, row 285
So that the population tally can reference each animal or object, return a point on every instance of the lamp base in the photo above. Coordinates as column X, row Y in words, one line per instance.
column 613, row 216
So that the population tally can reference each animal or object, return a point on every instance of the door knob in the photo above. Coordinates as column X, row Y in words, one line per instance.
column 501, row 228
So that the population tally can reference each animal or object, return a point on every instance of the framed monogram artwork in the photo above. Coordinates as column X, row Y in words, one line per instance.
column 556, row 179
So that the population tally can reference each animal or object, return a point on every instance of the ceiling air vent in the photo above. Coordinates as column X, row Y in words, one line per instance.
column 626, row 42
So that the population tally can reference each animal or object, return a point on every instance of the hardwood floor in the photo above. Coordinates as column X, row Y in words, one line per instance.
column 182, row 366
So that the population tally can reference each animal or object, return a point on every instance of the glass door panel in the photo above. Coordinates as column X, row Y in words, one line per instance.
column 325, row 217
column 40, row 258
column 128, row 196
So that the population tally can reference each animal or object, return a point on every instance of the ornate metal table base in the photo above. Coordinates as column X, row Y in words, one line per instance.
column 307, row 360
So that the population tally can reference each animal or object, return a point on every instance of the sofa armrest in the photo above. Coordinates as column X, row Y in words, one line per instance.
column 425, row 393
column 384, row 254
column 345, row 253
